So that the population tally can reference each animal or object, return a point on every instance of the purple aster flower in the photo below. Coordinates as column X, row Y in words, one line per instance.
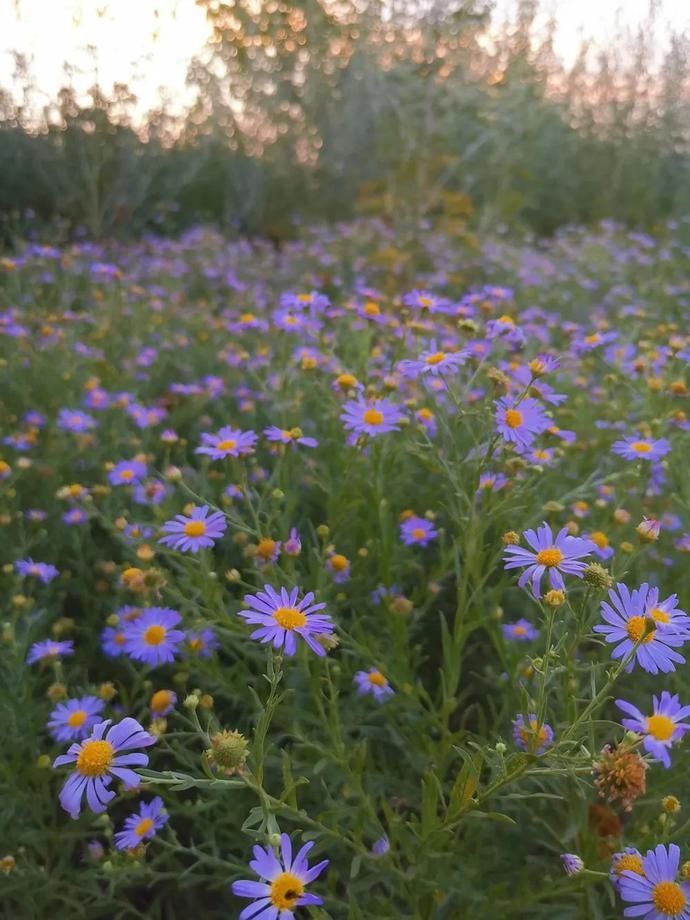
column 339, row 567
column 370, row 416
column 126, row 472
column 75, row 517
column 373, row 682
column 572, row 864
column 292, row 436
column 520, row 423
column 113, row 641
column 522, row 630
column 199, row 530
column 602, row 547
column 531, row 736
column 555, row 556
column 425, row 300
column 504, row 328
column 283, row 882
column 293, row 545
column 666, row 612
column 98, row 759
column 636, row 448
column 380, row 847
column 162, row 702
column 281, row 618
column 74, row 719
column 142, row 825
column 75, row 420
column 662, row 729
column 49, row 650
column 629, row 860
column 417, row 531
column 202, row 642
column 229, row 442
column 656, row 895
column 627, row 625
column 433, row 362
column 491, row 482
column 151, row 492
column 152, row 637
column 543, row 364
column 41, row 570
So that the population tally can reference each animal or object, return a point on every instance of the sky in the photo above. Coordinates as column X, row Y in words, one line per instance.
column 163, row 36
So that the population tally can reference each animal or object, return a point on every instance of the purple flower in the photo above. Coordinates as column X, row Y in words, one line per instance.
column 425, row 300
column 373, row 682
column 75, row 517
column 281, row 618
column 199, row 530
column 142, row 825
column 370, row 416
column 491, row 482
column 293, row 545
column 520, row 423
column 98, row 759
column 636, row 448
column 522, row 631
column 662, row 729
column 41, row 570
column 433, row 362
column 629, row 860
column 628, row 625
column 572, row 864
column 151, row 492
column 202, row 642
column 417, row 531
column 113, row 641
column 282, row 885
column 75, row 420
column 555, row 556
column 152, row 638
column 666, row 612
column 162, row 702
column 380, row 847
column 74, row 719
column 292, row 436
column 531, row 736
column 229, row 442
column 339, row 567
column 126, row 472
column 49, row 650
column 656, row 895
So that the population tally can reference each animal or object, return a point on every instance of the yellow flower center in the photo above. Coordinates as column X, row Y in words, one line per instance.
column 534, row 731
column 127, row 475
column 247, row 318
column 143, row 827
column 371, row 308
column 537, row 366
column 194, row 529
column 630, row 861
column 425, row 414
column 519, row 631
column 425, row 301
column 285, row 890
column 265, row 548
column 668, row 898
column 593, row 339
column 506, row 320
column 154, row 635
column 304, row 298
column 436, row 358
column 195, row 644
column 373, row 417
column 550, row 557
column 338, row 562
column 659, row 616
column 660, row 727
column 513, row 418
column 95, row 758
column 77, row 718
column 227, row 445
column 289, row 618
column 346, row 381
column 418, row 533
column 377, row 679
column 635, row 629
column 160, row 700
column 600, row 539
column 641, row 447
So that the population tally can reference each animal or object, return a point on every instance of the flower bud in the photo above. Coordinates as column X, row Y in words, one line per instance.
column 228, row 752
column 597, row 576
column 554, row 598
column 648, row 530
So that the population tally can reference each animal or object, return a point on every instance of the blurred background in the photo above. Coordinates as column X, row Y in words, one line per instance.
column 134, row 116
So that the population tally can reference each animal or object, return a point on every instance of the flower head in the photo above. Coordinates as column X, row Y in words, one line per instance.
column 293, row 436
column 228, row 442
column 520, row 423
column 637, row 448
column 656, row 894
column 41, row 570
column 662, row 729
column 142, row 825
column 152, row 637
column 49, row 650
column 521, row 631
column 417, row 531
column 370, row 416
column 98, row 759
column 557, row 556
column 283, row 882
column 620, row 775
column 572, row 864
column 74, row 719
column 373, row 682
column 530, row 735
column 127, row 472
column 198, row 530
column 629, row 860
column 281, row 618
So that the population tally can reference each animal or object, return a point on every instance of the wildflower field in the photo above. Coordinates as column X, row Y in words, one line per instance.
column 346, row 578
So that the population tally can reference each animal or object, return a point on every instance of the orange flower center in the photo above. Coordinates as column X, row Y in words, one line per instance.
column 668, row 898
column 635, row 628
column 600, row 539
column 346, row 381
column 630, row 861
column 227, row 445
column 660, row 727
column 519, row 631
column 127, row 474
column 143, row 827
column 154, row 635
column 550, row 557
column 377, row 679
column 659, row 616
column 285, row 890
column 289, row 618
column 338, row 562
column 418, row 533
column 195, row 529
column 373, row 417
column 265, row 548
column 95, row 758
column 160, row 700
column 436, row 358
column 371, row 308
column 641, row 447
column 513, row 418
column 77, row 718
